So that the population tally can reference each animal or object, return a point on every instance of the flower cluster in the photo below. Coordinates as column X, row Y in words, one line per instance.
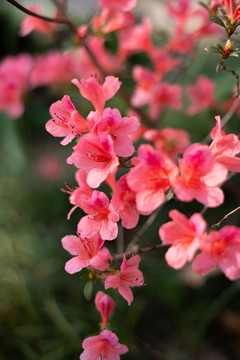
column 166, row 165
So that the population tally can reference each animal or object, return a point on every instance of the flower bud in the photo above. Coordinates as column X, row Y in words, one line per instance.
column 104, row 305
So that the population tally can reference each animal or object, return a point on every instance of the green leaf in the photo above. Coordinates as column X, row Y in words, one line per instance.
column 223, row 12
column 219, row 46
column 88, row 290
column 217, row 21
column 235, row 54
column 212, row 49
column 204, row 5
column 170, row 195
column 219, row 67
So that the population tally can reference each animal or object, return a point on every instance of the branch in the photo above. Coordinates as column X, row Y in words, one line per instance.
column 226, row 118
column 217, row 225
column 65, row 20
column 144, row 228
column 139, row 251
column 234, row 74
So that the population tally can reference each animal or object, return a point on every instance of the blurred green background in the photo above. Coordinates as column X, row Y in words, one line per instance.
column 43, row 313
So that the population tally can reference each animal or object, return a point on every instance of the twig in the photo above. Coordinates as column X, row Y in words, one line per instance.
column 139, row 251
column 226, row 118
column 217, row 225
column 234, row 74
column 65, row 20
column 120, row 240
column 230, row 176
column 144, row 228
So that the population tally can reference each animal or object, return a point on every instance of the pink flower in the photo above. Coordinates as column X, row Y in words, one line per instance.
column 52, row 68
column 181, row 10
column 119, row 128
column 87, row 252
column 110, row 20
column 225, row 147
column 201, row 95
column 119, row 5
column 98, row 94
column 31, row 23
column 124, row 200
column 150, row 178
column 105, row 306
column 49, row 167
column 110, row 62
column 165, row 95
column 234, row 14
column 220, row 248
column 146, row 82
column 200, row 177
column 95, row 153
column 66, row 121
column 169, row 142
column 136, row 39
column 103, row 346
column 162, row 61
column 130, row 276
column 80, row 194
column 102, row 218
column 14, row 78
column 184, row 235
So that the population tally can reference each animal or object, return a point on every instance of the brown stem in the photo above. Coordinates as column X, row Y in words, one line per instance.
column 65, row 20
column 226, row 118
column 217, row 225
column 139, row 251
column 234, row 74
column 144, row 228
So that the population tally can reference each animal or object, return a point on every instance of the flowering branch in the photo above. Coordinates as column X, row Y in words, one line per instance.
column 65, row 20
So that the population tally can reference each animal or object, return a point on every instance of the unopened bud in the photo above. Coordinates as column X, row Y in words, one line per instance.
column 228, row 47
column 213, row 7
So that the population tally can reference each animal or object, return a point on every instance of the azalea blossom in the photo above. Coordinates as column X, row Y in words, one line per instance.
column 119, row 5
column 184, row 235
column 54, row 67
column 119, row 128
column 151, row 177
column 31, row 23
column 98, row 94
column 165, row 95
column 146, row 82
column 110, row 20
column 169, row 142
column 79, row 195
column 87, row 252
column 124, row 200
column 95, row 153
column 233, row 13
column 225, row 147
column 103, row 346
column 136, row 39
column 162, row 61
column 220, row 248
column 200, row 177
column 66, row 121
column 102, row 218
column 105, row 305
column 14, row 76
column 130, row 276
column 201, row 95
